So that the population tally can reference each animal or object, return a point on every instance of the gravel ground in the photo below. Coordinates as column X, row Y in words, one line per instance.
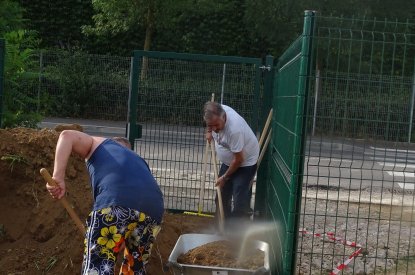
column 386, row 233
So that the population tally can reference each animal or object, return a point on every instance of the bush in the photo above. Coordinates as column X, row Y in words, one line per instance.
column 18, row 102
column 80, row 85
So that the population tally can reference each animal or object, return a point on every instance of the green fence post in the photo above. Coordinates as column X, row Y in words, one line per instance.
column 257, row 87
column 132, row 129
column 411, row 108
column 262, row 174
column 2, row 57
column 298, row 150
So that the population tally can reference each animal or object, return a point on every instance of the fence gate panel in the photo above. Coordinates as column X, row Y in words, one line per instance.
column 168, row 91
column 285, row 165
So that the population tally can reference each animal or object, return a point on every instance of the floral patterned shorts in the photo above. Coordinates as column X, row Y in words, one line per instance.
column 107, row 230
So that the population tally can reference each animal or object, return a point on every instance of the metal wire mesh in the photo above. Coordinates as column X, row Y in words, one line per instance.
column 170, row 103
column 80, row 85
column 285, row 158
column 364, row 106
column 359, row 163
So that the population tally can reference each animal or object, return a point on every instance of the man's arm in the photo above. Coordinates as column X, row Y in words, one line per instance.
column 238, row 159
column 70, row 141
column 236, row 146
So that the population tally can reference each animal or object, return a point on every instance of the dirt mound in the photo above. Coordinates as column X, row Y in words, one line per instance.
column 37, row 236
column 61, row 127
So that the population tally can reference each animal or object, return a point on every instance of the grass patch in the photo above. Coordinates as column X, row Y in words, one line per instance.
column 13, row 160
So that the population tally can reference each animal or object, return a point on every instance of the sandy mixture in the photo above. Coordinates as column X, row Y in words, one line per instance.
column 222, row 254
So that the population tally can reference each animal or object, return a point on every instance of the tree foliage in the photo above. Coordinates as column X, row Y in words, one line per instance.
column 229, row 27
column 274, row 23
column 58, row 22
column 11, row 17
column 120, row 16
column 20, row 45
column 115, row 16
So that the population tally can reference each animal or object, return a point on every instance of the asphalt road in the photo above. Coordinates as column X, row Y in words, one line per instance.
column 358, row 165
column 175, row 153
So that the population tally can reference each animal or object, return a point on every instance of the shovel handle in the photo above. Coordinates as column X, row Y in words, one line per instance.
column 202, row 185
column 261, row 155
column 265, row 130
column 218, row 190
column 264, row 149
column 204, row 169
column 47, row 177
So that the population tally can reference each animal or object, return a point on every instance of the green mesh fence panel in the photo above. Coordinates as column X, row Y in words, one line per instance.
column 358, row 181
column 286, row 157
column 85, row 86
column 167, row 100
column 78, row 85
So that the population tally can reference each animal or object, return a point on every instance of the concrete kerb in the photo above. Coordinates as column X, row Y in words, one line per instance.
column 361, row 197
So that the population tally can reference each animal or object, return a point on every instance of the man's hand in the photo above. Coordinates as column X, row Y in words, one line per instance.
column 57, row 192
column 221, row 181
column 208, row 136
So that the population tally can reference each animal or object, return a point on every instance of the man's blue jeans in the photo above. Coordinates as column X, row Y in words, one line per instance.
column 237, row 188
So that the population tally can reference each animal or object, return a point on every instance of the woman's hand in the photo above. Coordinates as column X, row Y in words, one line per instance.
column 57, row 192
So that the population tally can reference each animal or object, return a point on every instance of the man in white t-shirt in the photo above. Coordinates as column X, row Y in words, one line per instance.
column 237, row 148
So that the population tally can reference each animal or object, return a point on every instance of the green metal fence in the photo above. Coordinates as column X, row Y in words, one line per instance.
column 2, row 56
column 77, row 85
column 339, row 179
column 80, row 85
column 167, row 96
column 358, row 182
column 286, row 149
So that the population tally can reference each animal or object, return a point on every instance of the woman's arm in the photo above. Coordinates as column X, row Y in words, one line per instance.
column 70, row 141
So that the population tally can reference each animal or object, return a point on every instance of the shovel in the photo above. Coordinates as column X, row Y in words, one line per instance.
column 45, row 174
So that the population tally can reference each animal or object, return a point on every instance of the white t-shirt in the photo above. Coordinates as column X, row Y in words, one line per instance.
column 236, row 137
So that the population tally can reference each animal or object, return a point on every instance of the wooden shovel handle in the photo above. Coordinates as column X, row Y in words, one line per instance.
column 261, row 155
column 264, row 149
column 202, row 185
column 215, row 169
column 219, row 192
column 265, row 130
column 47, row 177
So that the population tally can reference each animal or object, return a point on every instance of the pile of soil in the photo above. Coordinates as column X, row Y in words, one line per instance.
column 37, row 236
column 222, row 254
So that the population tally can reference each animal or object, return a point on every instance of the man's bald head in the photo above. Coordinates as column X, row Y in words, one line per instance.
column 123, row 141
column 212, row 110
column 214, row 116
